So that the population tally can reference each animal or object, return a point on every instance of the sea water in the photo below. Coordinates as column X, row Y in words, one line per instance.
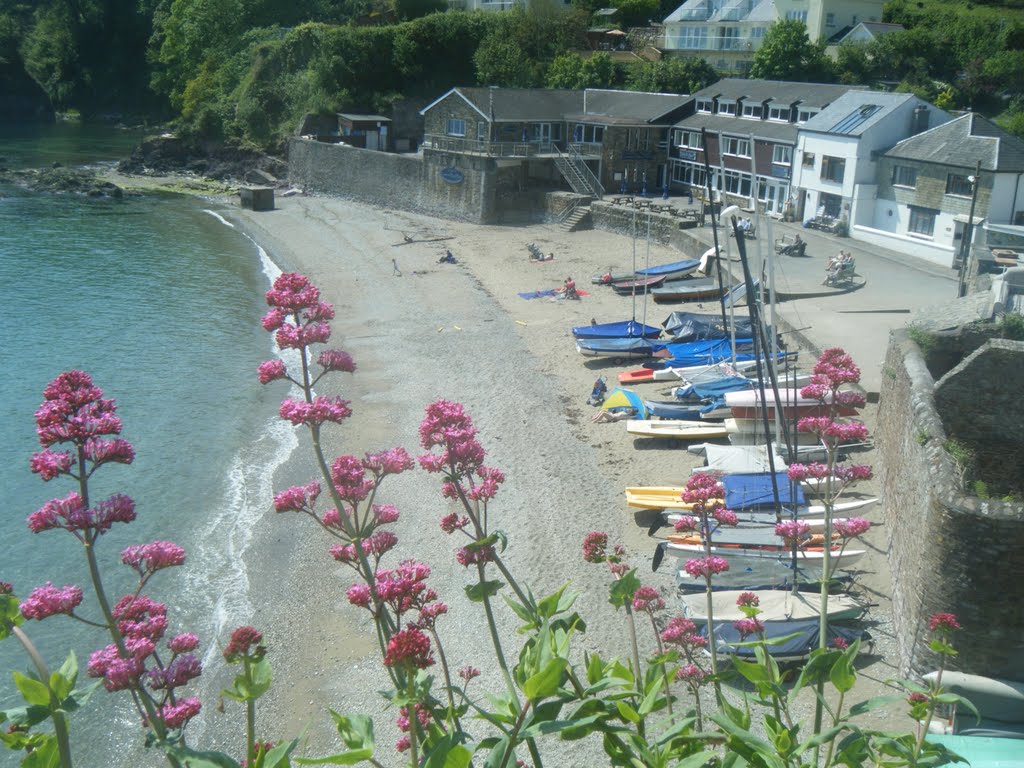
column 159, row 299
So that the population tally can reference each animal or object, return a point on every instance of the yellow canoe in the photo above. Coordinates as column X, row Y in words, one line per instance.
column 657, row 497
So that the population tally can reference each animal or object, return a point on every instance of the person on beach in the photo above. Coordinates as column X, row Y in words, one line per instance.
column 619, row 414
column 448, row 258
column 597, row 394
column 395, row 271
column 568, row 289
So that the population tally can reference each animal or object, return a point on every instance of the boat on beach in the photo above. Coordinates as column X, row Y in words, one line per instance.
column 637, row 284
column 671, row 271
column 774, row 605
column 687, row 290
column 788, row 641
column 839, row 558
column 608, row 278
column 623, row 348
column 625, row 329
column 676, row 429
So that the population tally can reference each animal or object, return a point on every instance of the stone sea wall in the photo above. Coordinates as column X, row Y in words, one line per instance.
column 948, row 552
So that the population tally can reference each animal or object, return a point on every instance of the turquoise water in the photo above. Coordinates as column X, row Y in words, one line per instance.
column 159, row 299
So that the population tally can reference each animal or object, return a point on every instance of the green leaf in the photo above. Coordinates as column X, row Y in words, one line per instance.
column 33, row 691
column 545, row 682
column 842, row 674
column 194, row 759
column 821, row 738
column 355, row 730
column 523, row 612
column 698, row 760
column 651, row 698
column 44, row 754
column 627, row 712
column 557, row 603
column 751, row 670
column 622, row 590
column 502, row 539
column 483, row 590
column 261, row 677
column 345, row 758
column 278, row 756
column 959, row 701
column 497, row 753
column 447, row 754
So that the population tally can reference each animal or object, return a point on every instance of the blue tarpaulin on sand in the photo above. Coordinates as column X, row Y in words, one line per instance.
column 538, row 294
column 749, row 491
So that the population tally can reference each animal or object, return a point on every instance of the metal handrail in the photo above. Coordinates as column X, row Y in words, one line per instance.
column 489, row 148
column 583, row 169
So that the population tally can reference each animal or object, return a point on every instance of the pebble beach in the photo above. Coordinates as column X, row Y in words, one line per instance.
column 420, row 330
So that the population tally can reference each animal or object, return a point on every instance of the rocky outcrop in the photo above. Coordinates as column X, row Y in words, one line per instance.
column 65, row 180
column 169, row 154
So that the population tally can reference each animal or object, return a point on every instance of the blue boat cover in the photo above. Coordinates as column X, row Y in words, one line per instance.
column 664, row 410
column 612, row 347
column 691, row 326
column 750, row 491
column 805, row 641
column 668, row 269
column 627, row 329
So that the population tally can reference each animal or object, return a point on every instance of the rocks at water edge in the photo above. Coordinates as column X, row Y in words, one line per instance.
column 59, row 179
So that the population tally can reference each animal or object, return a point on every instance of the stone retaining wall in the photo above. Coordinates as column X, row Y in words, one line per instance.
column 948, row 552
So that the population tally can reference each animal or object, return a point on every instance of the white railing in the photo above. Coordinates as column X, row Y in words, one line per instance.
column 489, row 148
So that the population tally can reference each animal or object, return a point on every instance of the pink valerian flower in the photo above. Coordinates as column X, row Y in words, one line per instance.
column 350, row 480
column 139, row 617
column 468, row 673
column 49, row 600
column 147, row 559
column 393, row 461
column 454, row 522
column 467, row 557
column 748, row 626
column 298, row 498
column 183, row 643
column 686, row 524
column 850, row 473
column 618, row 569
column 422, row 718
column 792, row 530
column 726, row 517
column 71, row 514
column 408, row 649
column 108, row 451
column 917, row 698
column 271, row 370
column 682, row 632
column 448, row 427
column 336, row 360
column 383, row 514
column 706, row 566
column 6, row 588
column 851, row 527
column 375, row 545
column 691, row 674
column 49, row 464
column 943, row 624
column 289, row 336
column 273, row 320
column 245, row 643
column 748, row 599
column 839, row 643
column 332, row 519
column 359, row 595
column 430, row 612
column 402, row 744
column 648, row 599
column 702, row 489
column 487, row 488
column 177, row 715
column 182, row 670
column 402, row 587
column 323, row 409
column 595, row 545
column 293, row 293
column 837, row 366
column 73, row 410
column 800, row 472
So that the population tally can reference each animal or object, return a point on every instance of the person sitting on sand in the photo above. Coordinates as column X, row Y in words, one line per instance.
column 568, row 289
column 616, row 414
column 448, row 258
column 597, row 394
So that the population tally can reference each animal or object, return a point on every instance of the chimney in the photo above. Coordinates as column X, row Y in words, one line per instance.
column 919, row 120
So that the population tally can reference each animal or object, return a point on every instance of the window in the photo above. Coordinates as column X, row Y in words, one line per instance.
column 690, row 139
column 752, row 110
column 588, row 134
column 832, row 168
column 638, row 138
column 958, row 185
column 456, row 127
column 727, row 107
column 922, row 221
column 808, row 159
column 688, row 173
column 803, row 115
column 904, row 176
column 796, row 16
column 757, row 33
column 481, row 130
column 729, row 38
column 737, row 183
column 704, row 105
column 693, row 38
column 778, row 113
column 830, row 19
column 734, row 146
column 782, row 154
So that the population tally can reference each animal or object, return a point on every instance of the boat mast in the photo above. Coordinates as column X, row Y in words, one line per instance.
column 714, row 223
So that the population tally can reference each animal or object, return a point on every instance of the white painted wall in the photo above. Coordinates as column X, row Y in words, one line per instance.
column 1007, row 198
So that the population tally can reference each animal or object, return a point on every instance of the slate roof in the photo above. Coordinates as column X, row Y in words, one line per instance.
column 963, row 142
column 779, row 91
column 518, row 104
column 768, row 130
column 853, row 113
column 627, row 107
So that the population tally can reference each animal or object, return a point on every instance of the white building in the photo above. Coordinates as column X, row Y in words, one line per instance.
column 834, row 171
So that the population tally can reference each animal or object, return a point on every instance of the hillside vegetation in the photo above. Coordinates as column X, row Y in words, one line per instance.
column 246, row 70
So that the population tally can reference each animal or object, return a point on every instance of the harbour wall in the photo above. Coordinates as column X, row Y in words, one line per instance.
column 948, row 551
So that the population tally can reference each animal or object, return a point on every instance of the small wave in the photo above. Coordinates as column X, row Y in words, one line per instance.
column 222, row 220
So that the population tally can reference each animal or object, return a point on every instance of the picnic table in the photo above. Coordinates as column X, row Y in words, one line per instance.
column 622, row 200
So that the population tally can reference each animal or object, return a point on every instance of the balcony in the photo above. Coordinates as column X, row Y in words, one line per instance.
column 484, row 148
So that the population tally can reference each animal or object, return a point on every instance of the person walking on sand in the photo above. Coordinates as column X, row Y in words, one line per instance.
column 396, row 272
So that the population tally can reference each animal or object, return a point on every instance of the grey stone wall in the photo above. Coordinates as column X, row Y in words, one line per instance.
column 930, row 189
column 948, row 552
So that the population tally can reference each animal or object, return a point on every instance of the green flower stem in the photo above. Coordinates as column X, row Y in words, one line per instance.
column 514, row 736
column 637, row 672
column 447, row 677
column 826, row 579
column 931, row 709
column 835, row 722
column 664, row 669
column 60, row 724
column 413, row 719
column 495, row 640
column 250, row 714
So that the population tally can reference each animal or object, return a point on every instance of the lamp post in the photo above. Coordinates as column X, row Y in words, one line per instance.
column 968, row 238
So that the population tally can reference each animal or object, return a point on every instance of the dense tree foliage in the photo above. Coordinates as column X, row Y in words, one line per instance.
column 672, row 76
column 786, row 53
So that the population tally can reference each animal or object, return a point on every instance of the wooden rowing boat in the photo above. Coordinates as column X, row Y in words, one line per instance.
column 676, row 429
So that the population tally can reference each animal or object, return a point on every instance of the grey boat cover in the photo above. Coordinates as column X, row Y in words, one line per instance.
column 691, row 326
column 795, row 649
column 740, row 459
column 775, row 605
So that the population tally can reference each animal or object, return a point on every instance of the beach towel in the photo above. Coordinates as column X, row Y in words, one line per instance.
column 538, row 294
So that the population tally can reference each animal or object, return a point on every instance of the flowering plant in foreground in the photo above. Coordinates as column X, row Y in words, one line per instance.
column 549, row 691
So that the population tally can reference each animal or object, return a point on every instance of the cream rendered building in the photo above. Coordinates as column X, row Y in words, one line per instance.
column 728, row 32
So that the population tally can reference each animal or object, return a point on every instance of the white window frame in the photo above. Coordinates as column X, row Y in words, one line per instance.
column 727, row 108
column 752, row 111
column 803, row 115
column 904, row 176
column 955, row 180
column 782, row 154
column 737, row 183
column 481, row 130
column 456, row 127
column 689, row 139
column 705, row 105
column 735, row 146
column 796, row 16
column 779, row 114
column 827, row 164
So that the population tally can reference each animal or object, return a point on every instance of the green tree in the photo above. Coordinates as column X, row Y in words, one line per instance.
column 854, row 64
column 637, row 13
column 502, row 62
column 566, row 71
column 676, row 75
column 414, row 9
column 786, row 53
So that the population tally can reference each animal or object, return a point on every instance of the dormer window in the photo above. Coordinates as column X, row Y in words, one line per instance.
column 752, row 111
column 705, row 105
column 804, row 115
column 727, row 107
column 778, row 113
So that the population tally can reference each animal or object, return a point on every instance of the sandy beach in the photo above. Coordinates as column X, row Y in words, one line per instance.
column 419, row 331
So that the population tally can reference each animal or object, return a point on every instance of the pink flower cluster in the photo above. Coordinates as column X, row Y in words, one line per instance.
column 448, row 427
column 408, row 649
column 833, row 432
column 682, row 632
column 851, row 527
column 176, row 715
column 298, row 498
column 943, row 623
column 336, row 360
column 595, row 545
column 71, row 514
column 271, row 370
column 49, row 600
column 147, row 559
column 748, row 626
column 706, row 566
column 323, row 409
column 487, row 488
column 246, row 643
column 468, row 673
column 702, row 490
column 402, row 721
column 73, row 411
column 686, row 523
column 467, row 556
column 375, row 545
column 298, row 318
column 648, row 599
column 792, row 530
column 748, row 600
column 404, row 588
column 393, row 461
column 691, row 674
column 454, row 522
